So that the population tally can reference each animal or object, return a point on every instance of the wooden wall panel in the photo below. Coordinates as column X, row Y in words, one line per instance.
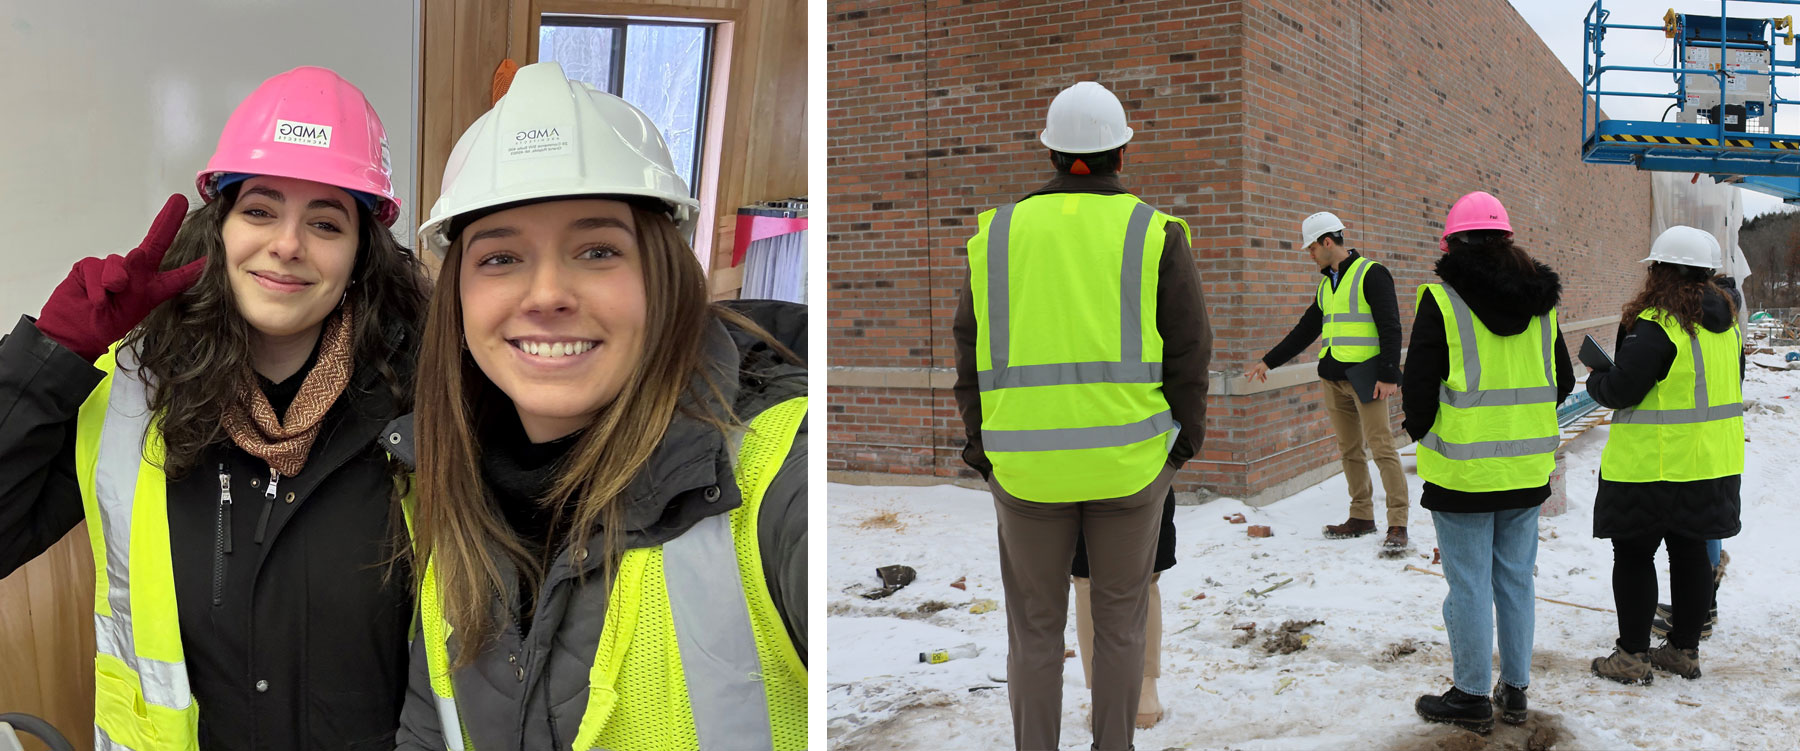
column 47, row 640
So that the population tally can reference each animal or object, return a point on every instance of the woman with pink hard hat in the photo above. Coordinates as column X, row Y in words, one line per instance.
column 1485, row 370
column 213, row 404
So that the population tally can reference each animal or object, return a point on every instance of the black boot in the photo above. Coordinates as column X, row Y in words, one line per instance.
column 1457, row 708
column 1511, row 702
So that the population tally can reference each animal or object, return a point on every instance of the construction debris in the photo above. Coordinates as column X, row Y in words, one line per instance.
column 1235, row 518
column 961, row 583
column 1265, row 592
column 1290, row 638
column 893, row 579
column 1258, row 530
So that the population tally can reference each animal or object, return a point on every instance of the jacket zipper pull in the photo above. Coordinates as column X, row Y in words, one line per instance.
column 221, row 536
column 262, row 522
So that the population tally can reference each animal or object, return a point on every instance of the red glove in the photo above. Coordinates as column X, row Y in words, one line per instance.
column 105, row 298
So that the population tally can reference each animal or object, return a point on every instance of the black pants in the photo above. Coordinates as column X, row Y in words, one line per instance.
column 1634, row 589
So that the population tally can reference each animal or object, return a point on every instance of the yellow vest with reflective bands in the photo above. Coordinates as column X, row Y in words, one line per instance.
column 141, row 696
column 1068, row 355
column 1349, row 329
column 692, row 654
column 142, row 701
column 1691, row 424
column 1496, row 423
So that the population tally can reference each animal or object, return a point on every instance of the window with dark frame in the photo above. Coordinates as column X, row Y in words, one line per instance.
column 662, row 67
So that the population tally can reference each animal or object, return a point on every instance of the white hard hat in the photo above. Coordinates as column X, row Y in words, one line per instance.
column 552, row 137
column 1686, row 246
column 1318, row 224
column 1085, row 119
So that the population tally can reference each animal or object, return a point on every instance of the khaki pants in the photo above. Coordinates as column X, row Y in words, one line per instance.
column 1084, row 630
column 1362, row 429
column 1037, row 544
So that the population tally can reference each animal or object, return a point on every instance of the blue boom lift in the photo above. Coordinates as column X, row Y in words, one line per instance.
column 1725, row 97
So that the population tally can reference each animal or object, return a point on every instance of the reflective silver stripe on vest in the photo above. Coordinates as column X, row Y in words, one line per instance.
column 1130, row 368
column 1070, row 439
column 1678, row 416
column 1491, row 449
column 1702, row 411
column 718, row 647
column 120, row 452
column 1471, row 356
column 999, row 334
column 449, row 722
column 1060, row 374
column 1352, row 341
column 1349, row 317
column 1496, row 397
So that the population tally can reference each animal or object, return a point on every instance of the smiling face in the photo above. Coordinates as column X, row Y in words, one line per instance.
column 553, row 308
column 290, row 246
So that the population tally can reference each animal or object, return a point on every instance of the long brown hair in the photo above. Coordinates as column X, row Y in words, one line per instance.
column 194, row 346
column 1678, row 291
column 458, row 526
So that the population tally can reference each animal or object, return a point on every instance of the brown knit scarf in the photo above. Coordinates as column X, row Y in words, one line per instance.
column 252, row 423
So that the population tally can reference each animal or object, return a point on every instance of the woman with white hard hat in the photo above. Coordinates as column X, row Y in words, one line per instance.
column 1674, row 456
column 213, row 404
column 611, row 533
column 1485, row 370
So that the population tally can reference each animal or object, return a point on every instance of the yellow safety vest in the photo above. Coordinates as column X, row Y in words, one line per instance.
column 1068, row 354
column 1496, row 423
column 141, row 696
column 692, row 654
column 1691, row 424
column 142, row 701
column 1349, row 332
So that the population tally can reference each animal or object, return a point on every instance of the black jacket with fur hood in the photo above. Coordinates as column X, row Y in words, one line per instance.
column 1706, row 509
column 1505, row 301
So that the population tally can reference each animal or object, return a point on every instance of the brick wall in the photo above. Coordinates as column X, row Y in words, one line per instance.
column 1249, row 116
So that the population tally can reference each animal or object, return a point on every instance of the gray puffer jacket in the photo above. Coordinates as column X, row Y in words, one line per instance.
column 530, row 692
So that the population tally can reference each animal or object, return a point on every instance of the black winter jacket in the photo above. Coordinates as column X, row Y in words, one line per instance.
column 305, row 646
column 1505, row 301
column 1705, row 509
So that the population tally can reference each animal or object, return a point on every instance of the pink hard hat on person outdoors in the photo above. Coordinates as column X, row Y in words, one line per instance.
column 307, row 124
column 1474, row 211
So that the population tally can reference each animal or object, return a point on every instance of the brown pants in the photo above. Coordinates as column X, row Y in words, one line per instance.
column 1037, row 544
column 1363, row 429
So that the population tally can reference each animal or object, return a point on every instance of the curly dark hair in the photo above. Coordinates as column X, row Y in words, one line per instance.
column 192, row 348
column 1677, row 290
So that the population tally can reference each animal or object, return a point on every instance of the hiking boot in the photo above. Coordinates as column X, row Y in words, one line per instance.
column 1457, row 708
column 1682, row 662
column 1665, row 620
column 1396, row 539
column 1631, row 669
column 1352, row 528
column 1511, row 703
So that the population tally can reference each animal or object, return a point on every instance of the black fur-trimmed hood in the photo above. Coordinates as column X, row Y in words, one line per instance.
column 1499, row 295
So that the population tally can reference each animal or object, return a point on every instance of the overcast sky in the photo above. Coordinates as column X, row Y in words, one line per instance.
column 1560, row 23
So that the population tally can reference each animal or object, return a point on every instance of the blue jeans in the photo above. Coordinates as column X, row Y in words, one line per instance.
column 1488, row 559
column 1713, row 547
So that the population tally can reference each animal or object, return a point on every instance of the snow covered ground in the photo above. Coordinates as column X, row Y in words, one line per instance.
column 1347, row 689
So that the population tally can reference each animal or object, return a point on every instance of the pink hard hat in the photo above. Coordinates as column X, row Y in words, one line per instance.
column 1477, row 210
column 308, row 124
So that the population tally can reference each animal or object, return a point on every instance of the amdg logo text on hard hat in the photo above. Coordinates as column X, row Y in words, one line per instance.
column 304, row 134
